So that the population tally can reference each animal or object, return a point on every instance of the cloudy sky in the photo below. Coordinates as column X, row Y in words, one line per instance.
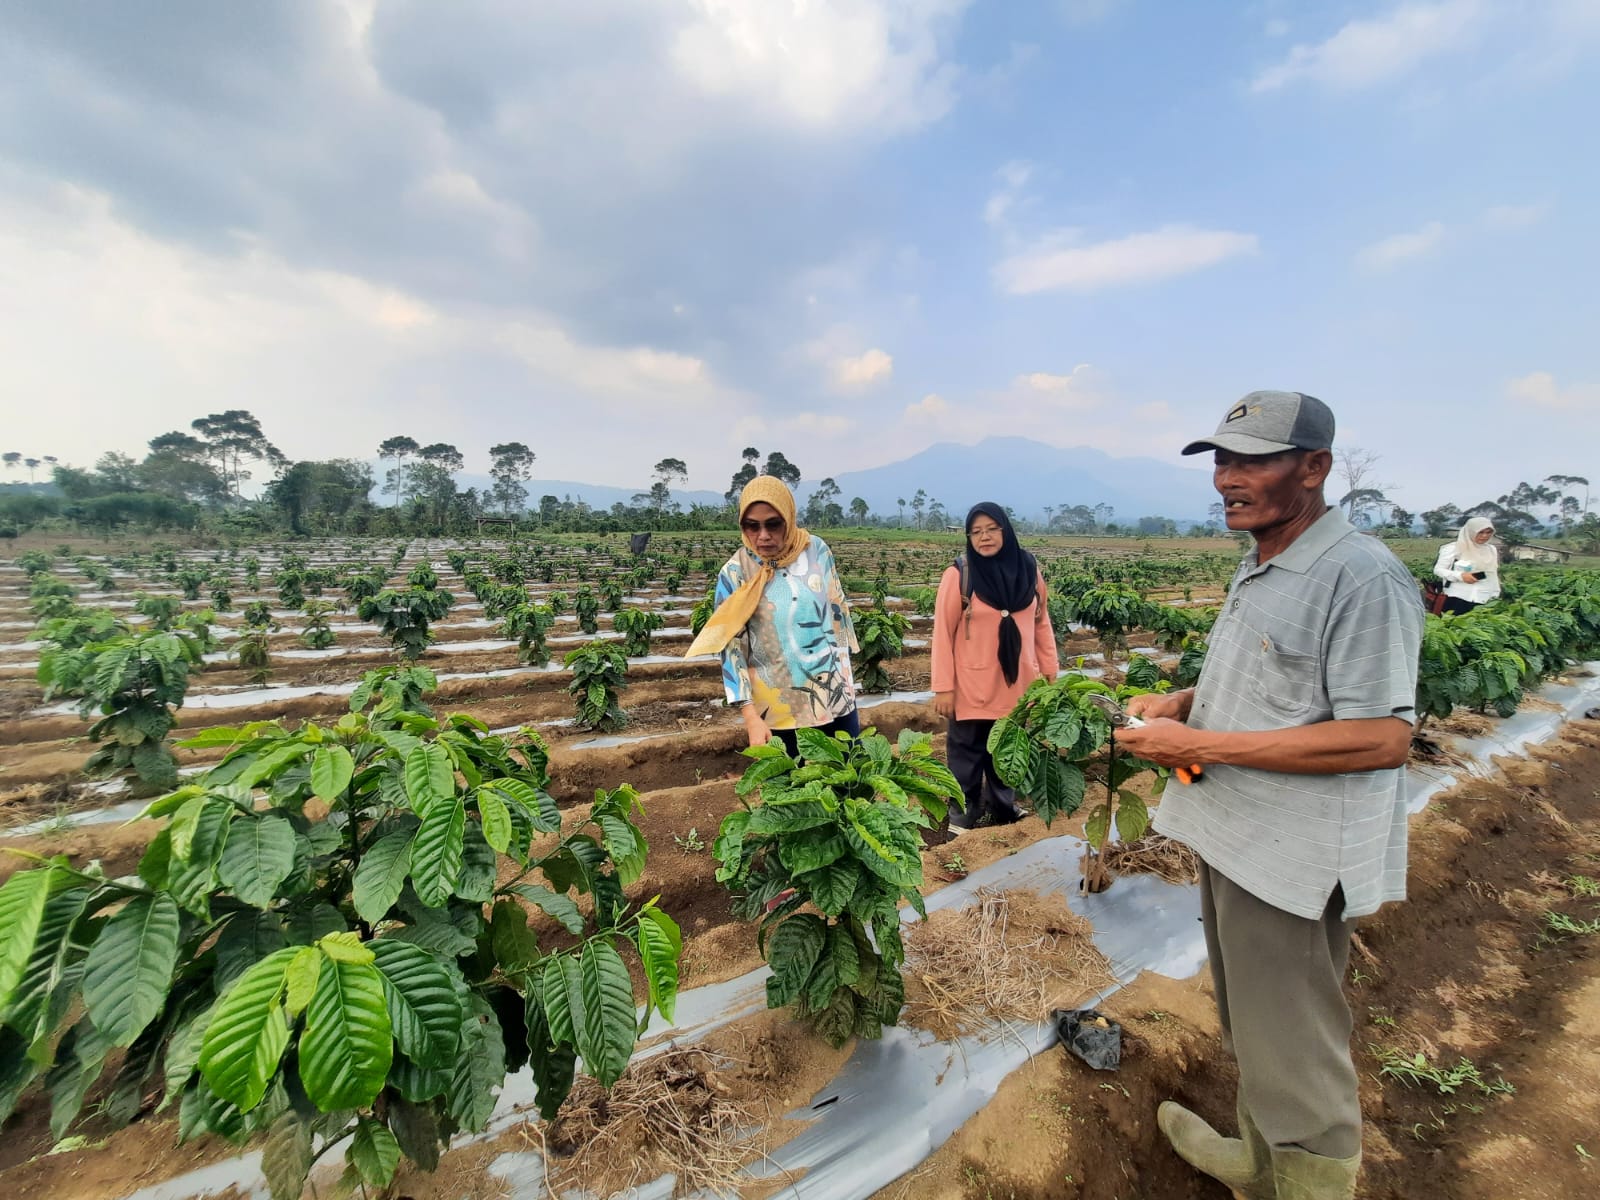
column 623, row 229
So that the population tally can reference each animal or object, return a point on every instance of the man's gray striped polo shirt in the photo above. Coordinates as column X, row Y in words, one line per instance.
column 1327, row 630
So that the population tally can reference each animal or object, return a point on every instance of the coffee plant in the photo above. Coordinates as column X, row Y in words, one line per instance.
column 701, row 612
column 881, row 636
column 1048, row 749
column 587, row 608
column 636, row 625
column 291, row 589
column 599, row 673
column 81, row 627
column 317, row 635
column 405, row 617
column 35, row 562
column 190, row 581
column 838, row 831
column 329, row 938
column 253, row 649
column 130, row 686
column 50, row 597
column 530, row 624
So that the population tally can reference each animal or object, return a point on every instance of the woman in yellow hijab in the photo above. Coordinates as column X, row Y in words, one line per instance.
column 782, row 624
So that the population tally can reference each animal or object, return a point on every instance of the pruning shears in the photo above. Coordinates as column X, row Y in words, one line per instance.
column 1121, row 720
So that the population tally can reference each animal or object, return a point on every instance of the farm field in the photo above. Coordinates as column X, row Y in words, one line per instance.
column 1466, row 970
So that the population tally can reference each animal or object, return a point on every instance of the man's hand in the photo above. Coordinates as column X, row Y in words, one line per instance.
column 944, row 703
column 1165, row 742
column 1469, row 577
column 1171, row 706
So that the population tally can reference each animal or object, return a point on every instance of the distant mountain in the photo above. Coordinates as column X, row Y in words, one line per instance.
column 1025, row 475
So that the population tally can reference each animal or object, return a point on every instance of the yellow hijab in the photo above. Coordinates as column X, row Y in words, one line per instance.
column 734, row 613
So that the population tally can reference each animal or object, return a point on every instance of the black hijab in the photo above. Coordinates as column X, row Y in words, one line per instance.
column 1009, row 581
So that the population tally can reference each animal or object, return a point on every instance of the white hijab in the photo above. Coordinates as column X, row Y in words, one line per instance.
column 1468, row 550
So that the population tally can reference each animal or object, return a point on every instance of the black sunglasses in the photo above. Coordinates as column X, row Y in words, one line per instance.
column 771, row 525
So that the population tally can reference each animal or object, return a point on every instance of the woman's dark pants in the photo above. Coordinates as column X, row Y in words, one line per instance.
column 967, row 750
column 849, row 723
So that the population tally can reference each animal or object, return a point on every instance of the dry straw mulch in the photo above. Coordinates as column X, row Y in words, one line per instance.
column 674, row 1114
column 1464, row 722
column 1010, row 956
column 1154, row 855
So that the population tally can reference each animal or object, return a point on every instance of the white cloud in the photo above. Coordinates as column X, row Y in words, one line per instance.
column 1369, row 51
column 1043, row 381
column 1514, row 216
column 1541, row 391
column 1013, row 177
column 1398, row 247
column 1276, row 28
column 324, row 358
column 1055, row 264
column 849, row 62
column 1077, row 408
column 863, row 370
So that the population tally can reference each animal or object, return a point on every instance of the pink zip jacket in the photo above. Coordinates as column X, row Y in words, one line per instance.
column 966, row 651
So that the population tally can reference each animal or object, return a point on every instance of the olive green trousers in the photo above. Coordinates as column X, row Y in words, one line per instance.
column 1279, row 981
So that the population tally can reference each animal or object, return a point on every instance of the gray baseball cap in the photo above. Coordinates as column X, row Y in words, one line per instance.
column 1270, row 423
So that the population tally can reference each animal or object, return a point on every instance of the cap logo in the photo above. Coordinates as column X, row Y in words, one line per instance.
column 1240, row 411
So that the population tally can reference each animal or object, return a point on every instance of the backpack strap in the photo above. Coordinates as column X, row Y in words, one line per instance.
column 960, row 565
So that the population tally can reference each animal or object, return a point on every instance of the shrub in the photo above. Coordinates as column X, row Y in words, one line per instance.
column 80, row 628
column 190, row 582
column 132, row 683
column 50, row 596
column 364, row 586
column 291, row 589
column 405, row 617
column 162, row 610
column 701, row 613
column 35, row 562
column 361, row 973
column 1047, row 747
column 599, row 672
column 317, row 634
column 881, row 636
column 529, row 624
column 839, row 831
column 636, row 625
column 587, row 609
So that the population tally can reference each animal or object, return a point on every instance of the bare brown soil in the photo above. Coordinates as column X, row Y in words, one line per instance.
column 1460, row 970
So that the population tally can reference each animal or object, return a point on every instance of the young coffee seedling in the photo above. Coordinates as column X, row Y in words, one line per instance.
column 838, row 831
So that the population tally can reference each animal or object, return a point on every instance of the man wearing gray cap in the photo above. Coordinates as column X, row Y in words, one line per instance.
column 1302, row 720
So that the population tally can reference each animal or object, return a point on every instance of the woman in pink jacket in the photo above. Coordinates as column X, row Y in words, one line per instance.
column 989, row 644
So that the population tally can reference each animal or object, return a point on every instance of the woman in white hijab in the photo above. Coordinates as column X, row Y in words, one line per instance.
column 1469, row 567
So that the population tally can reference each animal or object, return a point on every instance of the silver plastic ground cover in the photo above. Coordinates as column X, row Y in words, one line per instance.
column 898, row 1099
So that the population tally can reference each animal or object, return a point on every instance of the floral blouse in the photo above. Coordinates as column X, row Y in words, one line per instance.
column 792, row 661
